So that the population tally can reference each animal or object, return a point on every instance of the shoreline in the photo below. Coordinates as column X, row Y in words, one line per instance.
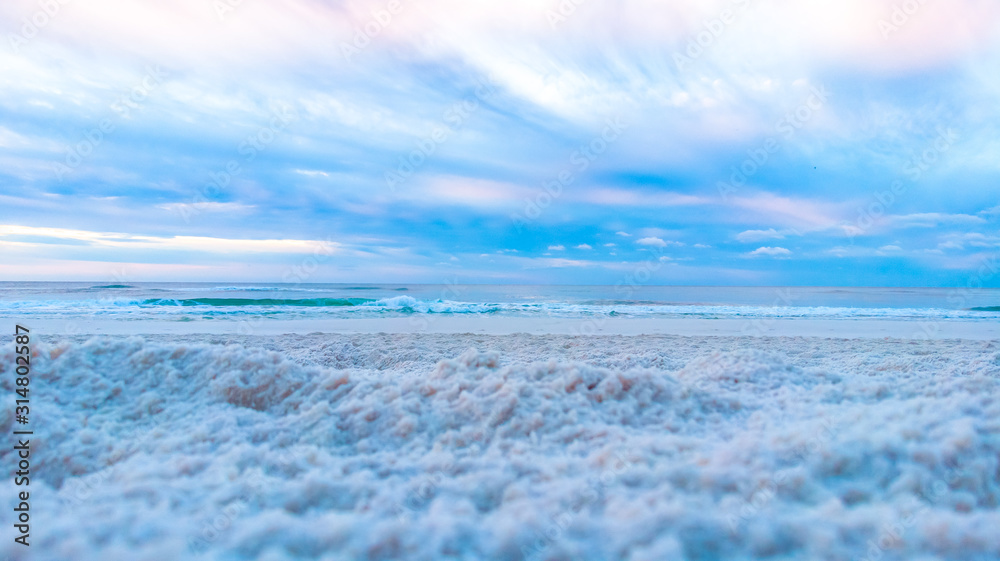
column 758, row 327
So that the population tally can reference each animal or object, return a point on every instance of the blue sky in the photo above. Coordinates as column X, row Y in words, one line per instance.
column 713, row 142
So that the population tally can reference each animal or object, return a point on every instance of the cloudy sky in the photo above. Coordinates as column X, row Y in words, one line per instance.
column 847, row 142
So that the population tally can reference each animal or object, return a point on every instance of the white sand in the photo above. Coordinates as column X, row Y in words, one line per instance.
column 407, row 446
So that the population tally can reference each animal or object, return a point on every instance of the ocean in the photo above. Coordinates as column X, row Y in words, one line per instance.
column 219, row 301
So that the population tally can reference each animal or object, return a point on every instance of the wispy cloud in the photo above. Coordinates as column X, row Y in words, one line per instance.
column 25, row 236
column 657, row 242
column 750, row 236
column 770, row 252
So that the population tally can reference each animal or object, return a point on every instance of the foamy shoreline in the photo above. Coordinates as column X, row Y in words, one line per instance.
column 769, row 327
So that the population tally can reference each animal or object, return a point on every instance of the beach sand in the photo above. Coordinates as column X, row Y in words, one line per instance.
column 435, row 445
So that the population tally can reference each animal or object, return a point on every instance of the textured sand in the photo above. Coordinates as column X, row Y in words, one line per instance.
column 546, row 447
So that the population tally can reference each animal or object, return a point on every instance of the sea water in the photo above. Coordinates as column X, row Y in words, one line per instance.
column 212, row 301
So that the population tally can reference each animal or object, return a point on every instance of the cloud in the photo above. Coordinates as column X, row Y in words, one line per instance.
column 466, row 191
column 652, row 242
column 890, row 248
column 311, row 172
column 934, row 219
column 584, row 246
column 556, row 263
column 623, row 234
column 799, row 213
column 969, row 239
column 557, row 248
column 770, row 252
column 609, row 245
column 750, row 236
column 188, row 208
column 629, row 197
column 9, row 235
column 981, row 240
column 658, row 242
column 702, row 246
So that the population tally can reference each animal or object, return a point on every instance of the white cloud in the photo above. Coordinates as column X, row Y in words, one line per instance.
column 184, row 243
column 311, row 172
column 702, row 246
column 584, row 246
column 627, row 197
column 982, row 240
column 609, row 245
column 971, row 239
column 890, row 248
column 652, row 242
column 770, row 251
column 191, row 208
column 751, row 236
column 658, row 242
column 557, row 248
column 624, row 234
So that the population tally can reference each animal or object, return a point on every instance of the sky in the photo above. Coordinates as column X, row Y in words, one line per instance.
column 726, row 142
